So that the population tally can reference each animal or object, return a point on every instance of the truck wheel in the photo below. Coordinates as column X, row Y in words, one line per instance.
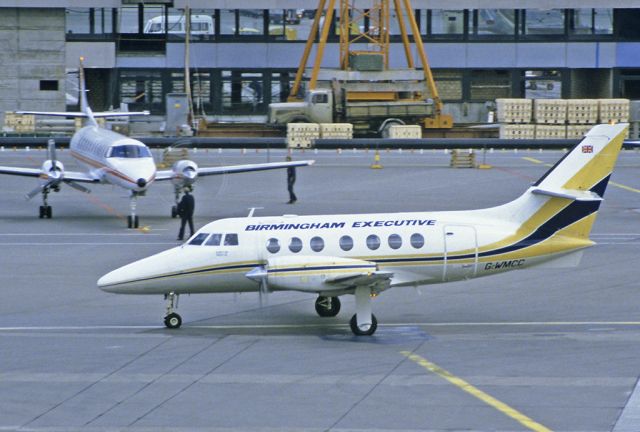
column 386, row 129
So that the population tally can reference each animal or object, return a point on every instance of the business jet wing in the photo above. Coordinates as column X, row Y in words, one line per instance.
column 381, row 279
column 37, row 172
column 81, row 114
column 232, row 169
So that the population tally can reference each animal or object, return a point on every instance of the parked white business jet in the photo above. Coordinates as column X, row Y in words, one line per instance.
column 110, row 157
column 368, row 253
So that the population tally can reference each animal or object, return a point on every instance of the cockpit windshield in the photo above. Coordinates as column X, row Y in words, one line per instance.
column 129, row 151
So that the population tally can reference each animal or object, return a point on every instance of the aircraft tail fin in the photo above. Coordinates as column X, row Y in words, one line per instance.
column 85, row 109
column 564, row 202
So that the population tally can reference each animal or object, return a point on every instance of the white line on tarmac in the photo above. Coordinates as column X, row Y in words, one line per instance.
column 297, row 326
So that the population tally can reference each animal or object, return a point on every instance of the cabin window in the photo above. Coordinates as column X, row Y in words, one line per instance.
column 346, row 243
column 417, row 240
column 295, row 245
column 373, row 242
column 273, row 245
column 395, row 241
column 214, row 240
column 317, row 244
column 231, row 240
column 199, row 239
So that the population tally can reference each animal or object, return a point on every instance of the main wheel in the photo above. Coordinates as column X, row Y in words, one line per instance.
column 48, row 212
column 42, row 212
column 136, row 221
column 358, row 331
column 174, row 212
column 129, row 222
column 173, row 321
column 327, row 306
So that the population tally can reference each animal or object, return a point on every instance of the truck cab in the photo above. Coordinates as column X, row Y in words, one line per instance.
column 317, row 107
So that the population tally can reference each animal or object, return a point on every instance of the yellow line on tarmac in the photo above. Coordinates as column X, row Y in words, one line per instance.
column 484, row 397
column 621, row 186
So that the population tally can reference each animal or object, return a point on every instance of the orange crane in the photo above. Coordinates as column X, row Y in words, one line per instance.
column 369, row 28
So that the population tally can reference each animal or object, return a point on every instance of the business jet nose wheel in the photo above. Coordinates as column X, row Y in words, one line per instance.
column 327, row 306
column 172, row 320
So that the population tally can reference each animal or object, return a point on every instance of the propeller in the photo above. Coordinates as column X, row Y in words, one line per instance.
column 38, row 190
column 259, row 274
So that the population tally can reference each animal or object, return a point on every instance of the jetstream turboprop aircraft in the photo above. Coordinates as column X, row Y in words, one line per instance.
column 367, row 254
column 113, row 158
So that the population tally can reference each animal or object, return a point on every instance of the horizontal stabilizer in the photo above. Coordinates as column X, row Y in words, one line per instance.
column 572, row 194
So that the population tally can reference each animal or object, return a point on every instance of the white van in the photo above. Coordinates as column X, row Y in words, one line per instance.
column 200, row 25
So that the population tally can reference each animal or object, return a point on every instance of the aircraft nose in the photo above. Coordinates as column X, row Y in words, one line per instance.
column 141, row 182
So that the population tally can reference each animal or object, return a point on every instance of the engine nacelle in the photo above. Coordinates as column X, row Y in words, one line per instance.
column 52, row 171
column 185, row 173
column 313, row 273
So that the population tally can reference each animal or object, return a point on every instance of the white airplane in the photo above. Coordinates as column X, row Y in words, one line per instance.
column 110, row 157
column 366, row 254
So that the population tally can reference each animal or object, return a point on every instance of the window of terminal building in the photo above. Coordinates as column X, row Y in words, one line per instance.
column 448, row 83
column 242, row 22
column 281, row 83
column 242, row 92
column 49, row 85
column 492, row 23
column 285, row 24
column 142, row 90
column 589, row 22
column 443, row 22
column 200, row 89
column 486, row 85
column 542, row 84
column 543, row 22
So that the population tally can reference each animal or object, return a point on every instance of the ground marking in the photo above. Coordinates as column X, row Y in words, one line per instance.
column 476, row 392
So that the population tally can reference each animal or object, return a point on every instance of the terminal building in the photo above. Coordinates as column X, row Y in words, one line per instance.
column 244, row 58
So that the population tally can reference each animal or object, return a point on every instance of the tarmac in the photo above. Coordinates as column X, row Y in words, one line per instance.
column 538, row 349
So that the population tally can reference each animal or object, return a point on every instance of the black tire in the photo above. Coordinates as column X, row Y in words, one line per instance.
column 129, row 222
column 42, row 212
column 136, row 221
column 174, row 212
column 327, row 306
column 48, row 212
column 173, row 321
column 356, row 330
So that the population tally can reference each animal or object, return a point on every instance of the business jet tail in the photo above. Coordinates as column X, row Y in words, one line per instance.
column 562, row 206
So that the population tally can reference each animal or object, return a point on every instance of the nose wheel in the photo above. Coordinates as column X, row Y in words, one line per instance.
column 172, row 320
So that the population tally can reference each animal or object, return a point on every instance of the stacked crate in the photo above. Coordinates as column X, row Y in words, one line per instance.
column 302, row 135
column 582, row 111
column 20, row 123
column 614, row 110
column 514, row 110
column 551, row 132
column 405, row 131
column 336, row 130
column 517, row 131
column 578, row 131
column 550, row 111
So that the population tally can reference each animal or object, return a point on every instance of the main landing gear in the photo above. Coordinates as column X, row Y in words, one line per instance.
column 45, row 209
column 363, row 323
column 327, row 306
column 172, row 320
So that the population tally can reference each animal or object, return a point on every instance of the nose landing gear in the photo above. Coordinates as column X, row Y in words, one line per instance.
column 172, row 320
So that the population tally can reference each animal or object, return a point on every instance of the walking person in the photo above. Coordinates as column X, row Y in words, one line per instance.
column 185, row 210
column 291, row 179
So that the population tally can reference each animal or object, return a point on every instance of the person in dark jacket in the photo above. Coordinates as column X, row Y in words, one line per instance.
column 291, row 179
column 185, row 210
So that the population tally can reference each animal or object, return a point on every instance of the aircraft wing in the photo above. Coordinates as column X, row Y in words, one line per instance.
column 36, row 172
column 231, row 169
column 84, row 115
column 381, row 279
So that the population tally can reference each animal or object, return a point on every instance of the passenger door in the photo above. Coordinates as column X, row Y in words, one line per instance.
column 460, row 252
